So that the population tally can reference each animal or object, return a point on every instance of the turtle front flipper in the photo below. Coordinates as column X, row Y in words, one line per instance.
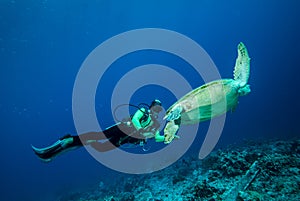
column 170, row 132
column 242, row 66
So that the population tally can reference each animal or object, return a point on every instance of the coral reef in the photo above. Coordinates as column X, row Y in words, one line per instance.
column 268, row 170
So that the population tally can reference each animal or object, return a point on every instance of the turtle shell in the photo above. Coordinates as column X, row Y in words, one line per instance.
column 207, row 101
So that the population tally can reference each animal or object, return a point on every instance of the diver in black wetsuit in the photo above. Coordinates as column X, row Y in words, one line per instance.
column 135, row 130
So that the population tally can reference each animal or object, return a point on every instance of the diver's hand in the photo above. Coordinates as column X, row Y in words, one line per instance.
column 170, row 132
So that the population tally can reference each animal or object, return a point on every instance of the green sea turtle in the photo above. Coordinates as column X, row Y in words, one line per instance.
column 211, row 99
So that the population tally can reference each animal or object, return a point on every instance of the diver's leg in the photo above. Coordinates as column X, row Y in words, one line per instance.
column 103, row 147
column 113, row 135
column 91, row 137
column 67, row 143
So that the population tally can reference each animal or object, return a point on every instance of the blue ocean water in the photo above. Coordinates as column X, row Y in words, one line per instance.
column 44, row 43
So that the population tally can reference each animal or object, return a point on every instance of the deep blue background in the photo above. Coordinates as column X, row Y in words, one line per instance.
column 43, row 44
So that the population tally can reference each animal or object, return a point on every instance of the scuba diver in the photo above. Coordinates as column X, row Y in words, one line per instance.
column 132, row 130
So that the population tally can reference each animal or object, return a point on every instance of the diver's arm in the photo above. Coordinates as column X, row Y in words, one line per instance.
column 158, row 137
column 136, row 118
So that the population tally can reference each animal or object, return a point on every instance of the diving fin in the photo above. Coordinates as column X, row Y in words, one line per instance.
column 48, row 153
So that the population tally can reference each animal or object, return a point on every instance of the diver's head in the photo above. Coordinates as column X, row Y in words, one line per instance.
column 155, row 106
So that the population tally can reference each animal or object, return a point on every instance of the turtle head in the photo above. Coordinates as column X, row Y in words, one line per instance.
column 174, row 114
column 244, row 90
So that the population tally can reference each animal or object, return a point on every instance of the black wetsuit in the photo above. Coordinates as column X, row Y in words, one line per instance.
column 121, row 133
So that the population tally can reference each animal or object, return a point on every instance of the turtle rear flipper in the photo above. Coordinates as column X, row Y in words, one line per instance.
column 242, row 66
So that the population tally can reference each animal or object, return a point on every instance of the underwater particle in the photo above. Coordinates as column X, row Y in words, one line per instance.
column 101, row 185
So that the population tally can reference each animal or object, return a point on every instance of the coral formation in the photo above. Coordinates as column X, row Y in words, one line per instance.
column 258, row 171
